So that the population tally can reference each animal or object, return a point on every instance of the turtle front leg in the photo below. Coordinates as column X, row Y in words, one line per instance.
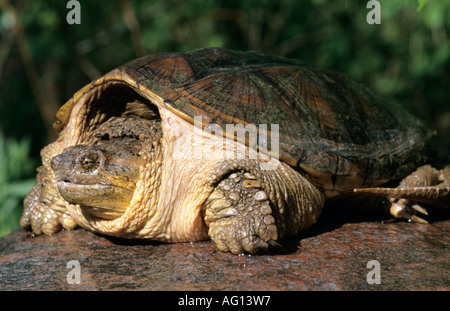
column 426, row 185
column 239, row 215
column 44, row 210
column 250, row 209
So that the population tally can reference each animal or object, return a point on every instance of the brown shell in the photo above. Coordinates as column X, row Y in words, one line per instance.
column 328, row 123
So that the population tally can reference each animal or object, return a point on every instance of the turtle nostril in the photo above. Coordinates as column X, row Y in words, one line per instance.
column 55, row 163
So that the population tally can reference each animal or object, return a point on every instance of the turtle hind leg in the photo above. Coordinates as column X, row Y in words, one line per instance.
column 426, row 186
column 239, row 215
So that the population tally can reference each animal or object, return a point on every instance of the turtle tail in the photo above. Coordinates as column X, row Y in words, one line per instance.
column 433, row 195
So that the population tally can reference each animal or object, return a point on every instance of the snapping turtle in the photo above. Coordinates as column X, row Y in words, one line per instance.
column 240, row 147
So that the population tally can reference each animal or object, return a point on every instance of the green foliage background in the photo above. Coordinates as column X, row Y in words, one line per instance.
column 44, row 60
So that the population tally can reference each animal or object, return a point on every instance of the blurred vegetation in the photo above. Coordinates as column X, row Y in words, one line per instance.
column 16, row 180
column 44, row 60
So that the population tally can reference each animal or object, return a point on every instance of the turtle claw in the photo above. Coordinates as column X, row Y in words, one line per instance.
column 419, row 220
column 420, row 209
column 274, row 243
column 426, row 185
column 403, row 209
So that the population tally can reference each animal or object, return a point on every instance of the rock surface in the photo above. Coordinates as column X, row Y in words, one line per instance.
column 333, row 255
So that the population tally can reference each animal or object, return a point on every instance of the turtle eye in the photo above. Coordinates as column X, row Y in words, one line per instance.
column 88, row 161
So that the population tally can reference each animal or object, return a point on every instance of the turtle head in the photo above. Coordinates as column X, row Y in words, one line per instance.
column 100, row 178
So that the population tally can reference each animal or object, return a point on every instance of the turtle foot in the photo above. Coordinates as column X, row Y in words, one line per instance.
column 425, row 186
column 403, row 209
column 239, row 215
column 44, row 211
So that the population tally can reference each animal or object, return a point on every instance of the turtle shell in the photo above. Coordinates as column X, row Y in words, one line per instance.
column 329, row 126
